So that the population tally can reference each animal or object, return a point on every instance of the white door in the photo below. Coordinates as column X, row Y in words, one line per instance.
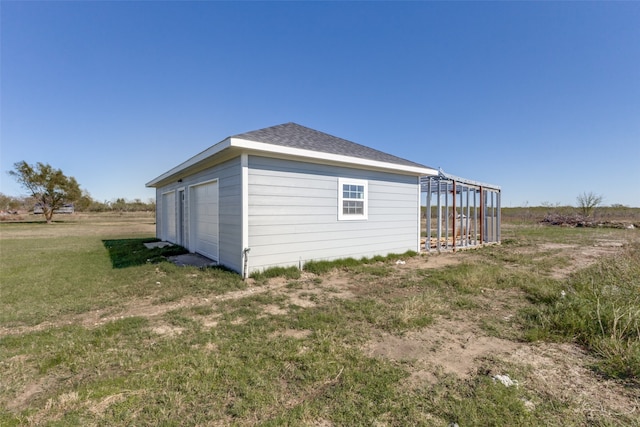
column 180, row 235
column 203, row 201
column 169, row 217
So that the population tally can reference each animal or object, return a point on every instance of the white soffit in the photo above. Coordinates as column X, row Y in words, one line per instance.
column 211, row 151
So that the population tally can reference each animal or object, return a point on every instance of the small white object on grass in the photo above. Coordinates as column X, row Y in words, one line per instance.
column 505, row 380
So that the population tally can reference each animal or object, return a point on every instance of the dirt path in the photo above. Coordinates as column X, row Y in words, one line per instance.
column 141, row 308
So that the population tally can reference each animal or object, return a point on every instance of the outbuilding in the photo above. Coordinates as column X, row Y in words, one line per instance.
column 287, row 194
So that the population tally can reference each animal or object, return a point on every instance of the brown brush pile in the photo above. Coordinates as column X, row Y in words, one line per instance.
column 577, row 220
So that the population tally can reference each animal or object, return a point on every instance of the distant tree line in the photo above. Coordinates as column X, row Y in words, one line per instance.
column 22, row 204
column 51, row 190
column 589, row 212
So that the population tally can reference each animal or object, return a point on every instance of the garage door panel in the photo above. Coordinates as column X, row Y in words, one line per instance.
column 169, row 217
column 204, row 220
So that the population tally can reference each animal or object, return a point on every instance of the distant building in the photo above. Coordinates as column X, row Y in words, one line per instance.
column 67, row 208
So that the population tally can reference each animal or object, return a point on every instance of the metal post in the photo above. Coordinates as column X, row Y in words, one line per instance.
column 439, row 232
column 499, row 216
column 453, row 218
column 467, row 234
column 493, row 215
column 475, row 216
column 427, row 214
column 481, row 215
column 446, row 224
column 461, row 215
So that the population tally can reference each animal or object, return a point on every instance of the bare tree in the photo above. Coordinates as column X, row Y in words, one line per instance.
column 587, row 202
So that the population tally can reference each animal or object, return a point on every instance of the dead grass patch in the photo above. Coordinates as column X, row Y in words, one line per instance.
column 562, row 372
column 446, row 347
column 293, row 333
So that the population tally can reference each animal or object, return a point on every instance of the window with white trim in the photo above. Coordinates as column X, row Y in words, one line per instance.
column 352, row 199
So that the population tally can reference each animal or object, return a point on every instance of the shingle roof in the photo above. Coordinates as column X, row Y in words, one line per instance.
column 296, row 136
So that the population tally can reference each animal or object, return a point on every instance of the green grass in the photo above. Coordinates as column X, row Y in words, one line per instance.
column 323, row 267
column 287, row 272
column 298, row 365
column 483, row 402
column 44, row 278
column 129, row 252
column 600, row 309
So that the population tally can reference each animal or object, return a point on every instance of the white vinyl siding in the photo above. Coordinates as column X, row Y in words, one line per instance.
column 293, row 210
column 228, row 175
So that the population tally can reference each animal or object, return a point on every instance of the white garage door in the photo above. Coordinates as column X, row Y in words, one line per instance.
column 204, row 219
column 169, row 217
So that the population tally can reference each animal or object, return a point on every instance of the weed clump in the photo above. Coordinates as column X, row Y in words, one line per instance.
column 600, row 309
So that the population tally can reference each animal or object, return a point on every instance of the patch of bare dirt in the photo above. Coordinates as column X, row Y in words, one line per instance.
column 301, row 301
column 458, row 346
column 434, row 260
column 499, row 304
column 449, row 346
column 582, row 256
column 167, row 330
column 31, row 391
column 562, row 371
column 310, row 290
column 210, row 321
column 294, row 333
column 144, row 307
column 274, row 310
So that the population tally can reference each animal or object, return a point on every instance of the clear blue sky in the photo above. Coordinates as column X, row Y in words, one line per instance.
column 542, row 98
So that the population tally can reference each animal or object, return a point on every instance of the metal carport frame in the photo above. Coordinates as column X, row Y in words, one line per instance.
column 466, row 213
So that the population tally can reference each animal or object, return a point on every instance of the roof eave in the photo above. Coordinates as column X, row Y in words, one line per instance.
column 312, row 155
column 193, row 161
column 278, row 150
